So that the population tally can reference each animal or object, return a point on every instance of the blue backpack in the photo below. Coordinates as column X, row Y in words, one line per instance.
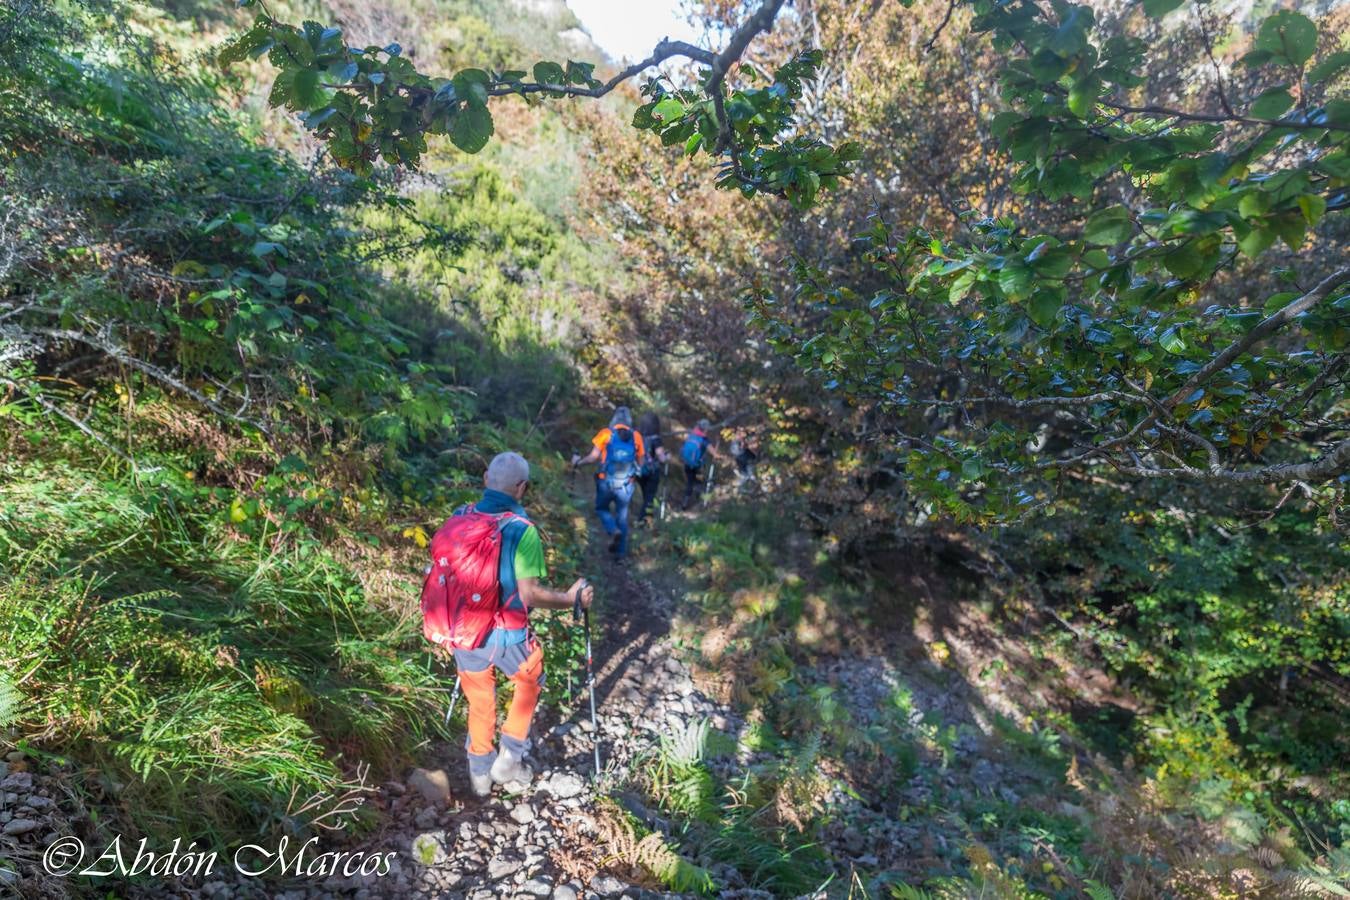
column 692, row 451
column 620, row 455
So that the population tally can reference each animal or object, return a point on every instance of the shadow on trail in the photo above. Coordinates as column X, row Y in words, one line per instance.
column 632, row 618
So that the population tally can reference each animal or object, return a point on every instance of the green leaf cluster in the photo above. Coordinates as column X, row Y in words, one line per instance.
column 1099, row 322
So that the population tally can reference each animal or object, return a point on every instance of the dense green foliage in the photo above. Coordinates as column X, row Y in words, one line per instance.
column 1125, row 335
column 1113, row 302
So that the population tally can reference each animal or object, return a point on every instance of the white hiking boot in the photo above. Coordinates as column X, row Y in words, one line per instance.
column 509, row 767
column 481, row 785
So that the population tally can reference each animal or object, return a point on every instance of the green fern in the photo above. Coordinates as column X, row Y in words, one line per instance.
column 688, row 746
column 653, row 852
column 677, row 778
column 11, row 701
column 909, row 892
column 1098, row 891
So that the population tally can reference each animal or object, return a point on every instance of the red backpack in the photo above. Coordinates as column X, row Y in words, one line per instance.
column 461, row 595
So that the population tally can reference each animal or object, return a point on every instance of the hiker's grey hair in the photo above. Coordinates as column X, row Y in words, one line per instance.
column 704, row 425
column 506, row 471
column 621, row 417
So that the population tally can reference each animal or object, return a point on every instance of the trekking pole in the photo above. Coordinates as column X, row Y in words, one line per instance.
column 454, row 698
column 584, row 616
column 665, row 486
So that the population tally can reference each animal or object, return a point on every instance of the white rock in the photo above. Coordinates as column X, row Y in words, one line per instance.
column 607, row 885
column 433, row 785
column 17, row 781
column 500, row 867
column 20, row 826
column 564, row 785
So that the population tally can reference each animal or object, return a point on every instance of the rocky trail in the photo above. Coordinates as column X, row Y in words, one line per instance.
column 546, row 841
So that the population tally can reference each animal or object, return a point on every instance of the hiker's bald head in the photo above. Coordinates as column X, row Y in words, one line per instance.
column 509, row 473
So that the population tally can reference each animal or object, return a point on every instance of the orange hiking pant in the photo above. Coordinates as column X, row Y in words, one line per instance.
column 524, row 665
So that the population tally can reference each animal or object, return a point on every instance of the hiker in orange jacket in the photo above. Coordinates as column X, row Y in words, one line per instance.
column 621, row 452
column 511, row 646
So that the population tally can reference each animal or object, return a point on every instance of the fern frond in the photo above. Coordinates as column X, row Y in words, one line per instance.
column 688, row 746
column 11, row 701
column 655, row 854
column 909, row 892
column 1098, row 891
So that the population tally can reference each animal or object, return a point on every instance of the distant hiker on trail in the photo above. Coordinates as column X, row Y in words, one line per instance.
column 487, row 562
column 697, row 447
column 743, row 454
column 621, row 452
column 649, row 478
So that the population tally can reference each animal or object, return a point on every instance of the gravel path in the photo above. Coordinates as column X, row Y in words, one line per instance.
column 546, row 841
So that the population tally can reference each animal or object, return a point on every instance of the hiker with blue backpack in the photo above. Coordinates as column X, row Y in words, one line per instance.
column 621, row 453
column 695, row 451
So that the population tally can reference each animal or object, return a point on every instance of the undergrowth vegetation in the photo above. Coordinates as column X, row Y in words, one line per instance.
column 227, row 434
column 1014, row 790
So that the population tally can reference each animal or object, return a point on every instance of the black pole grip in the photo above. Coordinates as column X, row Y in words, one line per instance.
column 576, row 601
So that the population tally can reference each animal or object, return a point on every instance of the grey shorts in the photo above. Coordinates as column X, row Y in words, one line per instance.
column 508, row 659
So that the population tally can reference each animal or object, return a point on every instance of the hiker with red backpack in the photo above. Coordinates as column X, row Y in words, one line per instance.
column 621, row 453
column 487, row 562
column 697, row 447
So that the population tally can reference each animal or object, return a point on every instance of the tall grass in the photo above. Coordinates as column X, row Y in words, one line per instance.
column 216, row 675
column 210, row 680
